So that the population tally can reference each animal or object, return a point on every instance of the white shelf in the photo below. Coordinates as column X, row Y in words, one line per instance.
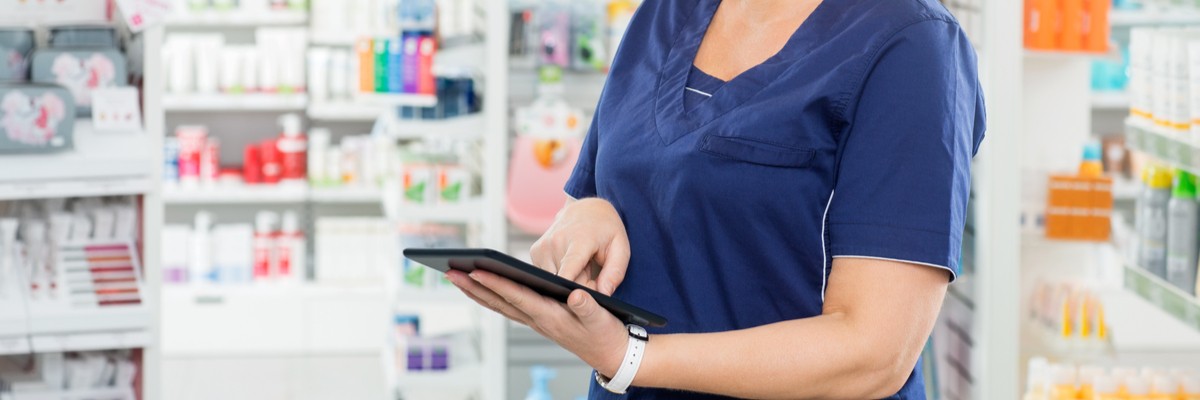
column 59, row 343
column 467, row 55
column 235, row 18
column 235, row 102
column 1154, row 17
column 346, row 195
column 440, row 296
column 453, row 378
column 100, row 163
column 463, row 128
column 1110, row 101
column 236, row 194
column 396, row 99
column 333, row 38
column 345, row 111
column 79, row 394
column 470, row 211
column 1154, row 141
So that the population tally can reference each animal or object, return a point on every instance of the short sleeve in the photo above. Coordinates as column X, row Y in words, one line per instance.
column 582, row 182
column 903, row 175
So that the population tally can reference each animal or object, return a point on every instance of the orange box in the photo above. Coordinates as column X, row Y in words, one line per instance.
column 1070, row 37
column 1079, row 208
column 1096, row 31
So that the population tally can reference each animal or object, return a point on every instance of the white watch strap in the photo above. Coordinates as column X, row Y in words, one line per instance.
column 629, row 366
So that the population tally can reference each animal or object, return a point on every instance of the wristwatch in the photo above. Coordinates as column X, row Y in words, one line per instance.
column 629, row 366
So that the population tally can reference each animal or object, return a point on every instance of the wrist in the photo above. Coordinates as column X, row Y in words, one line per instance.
column 610, row 359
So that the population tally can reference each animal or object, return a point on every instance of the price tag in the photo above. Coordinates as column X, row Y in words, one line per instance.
column 116, row 110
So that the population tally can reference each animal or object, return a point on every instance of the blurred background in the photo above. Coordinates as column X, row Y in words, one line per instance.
column 207, row 199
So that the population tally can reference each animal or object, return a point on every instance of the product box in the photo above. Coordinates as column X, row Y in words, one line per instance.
column 35, row 118
column 1079, row 208
column 80, row 70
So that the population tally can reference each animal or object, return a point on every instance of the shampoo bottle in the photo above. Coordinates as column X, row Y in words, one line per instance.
column 1182, row 230
column 200, row 255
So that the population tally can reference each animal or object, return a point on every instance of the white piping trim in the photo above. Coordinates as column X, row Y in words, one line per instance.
column 697, row 91
column 953, row 275
column 824, row 255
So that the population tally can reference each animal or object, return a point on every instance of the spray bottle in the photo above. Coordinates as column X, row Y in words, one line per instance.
column 1182, row 251
column 541, row 376
column 1156, row 198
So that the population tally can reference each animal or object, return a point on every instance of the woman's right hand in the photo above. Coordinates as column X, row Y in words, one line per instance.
column 587, row 244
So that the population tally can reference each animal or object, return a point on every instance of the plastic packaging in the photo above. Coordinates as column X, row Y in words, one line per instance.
column 1182, row 251
column 1156, row 199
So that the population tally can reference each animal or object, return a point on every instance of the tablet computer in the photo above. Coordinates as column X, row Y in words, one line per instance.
column 541, row 281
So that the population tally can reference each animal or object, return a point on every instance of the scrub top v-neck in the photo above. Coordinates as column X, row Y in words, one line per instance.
column 854, row 140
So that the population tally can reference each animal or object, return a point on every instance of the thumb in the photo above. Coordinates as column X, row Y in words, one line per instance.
column 585, row 308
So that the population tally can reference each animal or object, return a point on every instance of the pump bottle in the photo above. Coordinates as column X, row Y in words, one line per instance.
column 1156, row 200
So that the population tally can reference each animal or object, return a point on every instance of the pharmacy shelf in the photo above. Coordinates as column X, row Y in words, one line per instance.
column 448, row 296
column 465, row 55
column 1070, row 55
column 1125, row 189
column 235, row 102
column 15, row 345
column 345, row 111
column 238, row 19
column 346, row 195
column 1163, row 296
column 90, row 341
column 79, row 394
column 1110, row 101
column 1126, row 18
column 322, row 38
column 396, row 99
column 460, row 377
column 99, row 164
column 466, row 212
column 236, row 194
column 1153, row 141
column 460, row 128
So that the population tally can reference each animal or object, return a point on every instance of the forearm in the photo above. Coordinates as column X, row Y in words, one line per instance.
column 828, row 356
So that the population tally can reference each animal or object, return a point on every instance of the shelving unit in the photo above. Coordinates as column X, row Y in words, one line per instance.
column 460, row 128
column 1124, row 18
column 1163, row 296
column 1110, row 101
column 100, row 163
column 1152, row 141
column 237, row 18
column 235, row 102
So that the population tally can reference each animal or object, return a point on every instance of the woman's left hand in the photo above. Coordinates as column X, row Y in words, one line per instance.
column 581, row 326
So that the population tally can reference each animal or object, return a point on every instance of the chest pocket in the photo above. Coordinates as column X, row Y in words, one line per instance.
column 756, row 151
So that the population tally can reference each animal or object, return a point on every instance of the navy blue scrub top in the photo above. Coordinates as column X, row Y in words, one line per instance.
column 855, row 140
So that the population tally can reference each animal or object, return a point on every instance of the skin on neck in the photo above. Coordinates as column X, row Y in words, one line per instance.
column 744, row 33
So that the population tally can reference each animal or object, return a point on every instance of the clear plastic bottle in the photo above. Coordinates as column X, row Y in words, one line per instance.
column 1164, row 387
column 1065, row 383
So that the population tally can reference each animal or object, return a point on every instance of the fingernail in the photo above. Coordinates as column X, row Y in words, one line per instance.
column 579, row 300
column 474, row 276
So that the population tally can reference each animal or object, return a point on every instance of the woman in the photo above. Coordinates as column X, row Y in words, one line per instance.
column 785, row 180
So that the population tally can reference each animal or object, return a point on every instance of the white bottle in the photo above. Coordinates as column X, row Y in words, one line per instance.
column 9, row 255
column 290, row 250
column 265, row 259
column 200, row 254
column 318, row 74
column 318, row 145
column 37, row 255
